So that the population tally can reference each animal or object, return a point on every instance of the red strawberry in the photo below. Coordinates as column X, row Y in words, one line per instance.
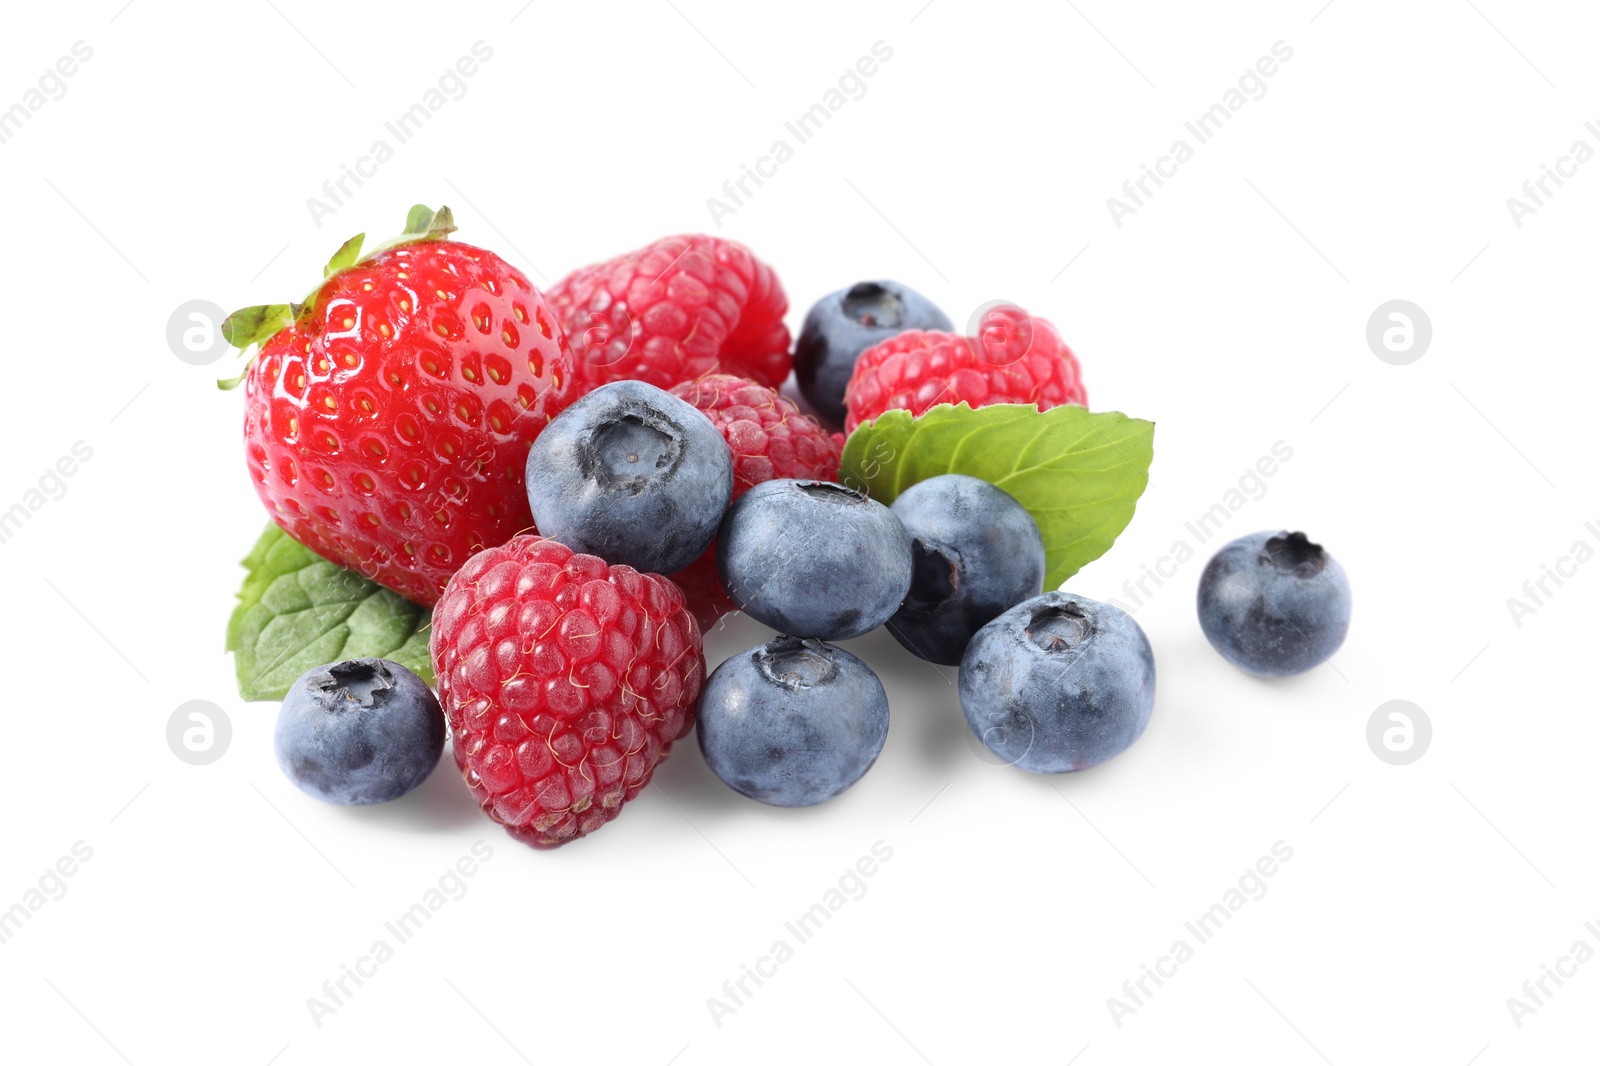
column 1015, row 358
column 565, row 682
column 674, row 310
column 388, row 416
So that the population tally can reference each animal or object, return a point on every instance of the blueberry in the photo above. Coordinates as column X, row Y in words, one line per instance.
column 842, row 325
column 814, row 559
column 633, row 475
column 975, row 552
column 793, row 722
column 1058, row 683
column 362, row 731
column 1275, row 604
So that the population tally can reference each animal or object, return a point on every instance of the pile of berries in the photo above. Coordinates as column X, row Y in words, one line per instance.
column 577, row 481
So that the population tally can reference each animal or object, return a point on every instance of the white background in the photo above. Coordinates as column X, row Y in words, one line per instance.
column 1231, row 310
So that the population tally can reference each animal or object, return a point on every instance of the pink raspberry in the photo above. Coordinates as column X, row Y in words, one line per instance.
column 1015, row 358
column 672, row 311
column 564, row 682
column 769, row 438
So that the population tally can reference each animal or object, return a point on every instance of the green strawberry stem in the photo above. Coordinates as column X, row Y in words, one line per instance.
column 252, row 327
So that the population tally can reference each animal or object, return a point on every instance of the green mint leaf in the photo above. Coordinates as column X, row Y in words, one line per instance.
column 297, row 610
column 348, row 253
column 1078, row 473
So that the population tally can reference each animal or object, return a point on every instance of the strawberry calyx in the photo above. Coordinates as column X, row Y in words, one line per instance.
column 251, row 327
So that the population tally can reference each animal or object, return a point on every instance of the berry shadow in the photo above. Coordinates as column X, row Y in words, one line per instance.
column 684, row 777
column 439, row 804
column 927, row 732
column 925, row 720
column 1202, row 664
